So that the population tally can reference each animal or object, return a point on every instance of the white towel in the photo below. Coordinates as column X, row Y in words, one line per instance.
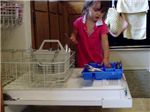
column 132, row 6
column 137, row 23
column 134, row 12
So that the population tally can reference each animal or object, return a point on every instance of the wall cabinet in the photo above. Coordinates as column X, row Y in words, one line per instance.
column 41, row 5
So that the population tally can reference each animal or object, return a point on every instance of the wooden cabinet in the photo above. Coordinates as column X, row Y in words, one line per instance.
column 61, row 31
column 53, row 7
column 41, row 5
column 41, row 28
column 45, row 22
column 54, row 28
column 60, row 8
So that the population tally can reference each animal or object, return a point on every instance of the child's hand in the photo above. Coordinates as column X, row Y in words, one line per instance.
column 73, row 40
column 106, row 63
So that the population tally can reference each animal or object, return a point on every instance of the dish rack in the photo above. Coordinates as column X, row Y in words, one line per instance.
column 11, row 14
column 22, row 69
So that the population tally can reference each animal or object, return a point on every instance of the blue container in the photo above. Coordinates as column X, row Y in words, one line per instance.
column 109, row 73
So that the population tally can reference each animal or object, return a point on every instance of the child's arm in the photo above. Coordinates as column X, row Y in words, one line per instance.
column 105, row 48
column 73, row 37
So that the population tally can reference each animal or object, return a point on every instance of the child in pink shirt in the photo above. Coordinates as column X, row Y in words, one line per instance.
column 90, row 33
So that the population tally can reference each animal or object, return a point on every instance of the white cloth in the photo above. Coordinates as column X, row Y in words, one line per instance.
column 136, row 25
column 134, row 12
column 132, row 6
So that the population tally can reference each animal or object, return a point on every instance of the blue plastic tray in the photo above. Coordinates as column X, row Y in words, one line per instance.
column 109, row 73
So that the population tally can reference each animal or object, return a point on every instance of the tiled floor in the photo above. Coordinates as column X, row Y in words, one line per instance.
column 139, row 105
column 138, row 82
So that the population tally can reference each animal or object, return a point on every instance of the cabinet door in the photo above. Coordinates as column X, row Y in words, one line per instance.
column 56, row 7
column 54, row 28
column 41, row 5
column 53, row 7
column 60, row 8
column 41, row 29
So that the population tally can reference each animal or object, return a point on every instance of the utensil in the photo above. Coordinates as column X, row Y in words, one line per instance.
column 66, row 48
column 66, row 35
column 92, row 69
column 69, row 50
column 56, row 53
column 69, row 38
column 118, row 64
column 30, row 48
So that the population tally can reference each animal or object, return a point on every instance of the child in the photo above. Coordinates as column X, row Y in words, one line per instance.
column 90, row 33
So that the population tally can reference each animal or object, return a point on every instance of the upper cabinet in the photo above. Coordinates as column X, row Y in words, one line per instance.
column 50, row 6
column 41, row 5
column 60, row 7
column 56, row 7
column 53, row 7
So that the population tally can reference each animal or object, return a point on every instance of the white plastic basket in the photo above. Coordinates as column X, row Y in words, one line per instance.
column 54, row 57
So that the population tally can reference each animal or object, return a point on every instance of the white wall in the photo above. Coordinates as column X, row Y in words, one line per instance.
column 131, row 59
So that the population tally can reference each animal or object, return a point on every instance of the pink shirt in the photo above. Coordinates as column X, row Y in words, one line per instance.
column 89, row 47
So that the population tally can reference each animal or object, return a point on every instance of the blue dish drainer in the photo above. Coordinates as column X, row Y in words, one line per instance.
column 108, row 73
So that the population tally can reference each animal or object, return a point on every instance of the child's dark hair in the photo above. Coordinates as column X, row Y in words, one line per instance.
column 104, row 6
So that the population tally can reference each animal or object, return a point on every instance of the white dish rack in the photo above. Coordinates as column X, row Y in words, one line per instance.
column 43, row 68
column 11, row 14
